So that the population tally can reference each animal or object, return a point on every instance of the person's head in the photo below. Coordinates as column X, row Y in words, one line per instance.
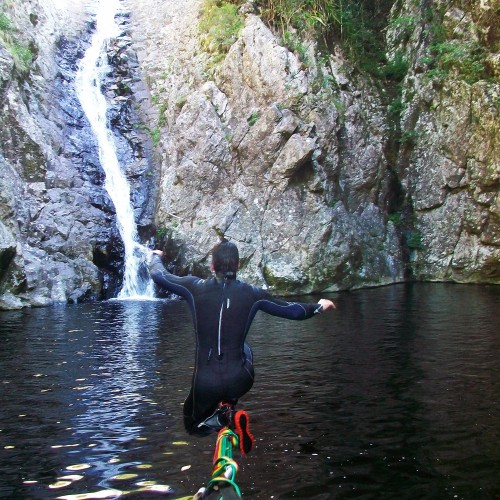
column 225, row 258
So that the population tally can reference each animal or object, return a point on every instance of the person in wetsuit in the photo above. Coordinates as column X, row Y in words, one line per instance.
column 223, row 308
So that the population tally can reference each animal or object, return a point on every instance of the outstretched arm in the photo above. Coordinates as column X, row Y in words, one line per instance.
column 176, row 284
column 292, row 310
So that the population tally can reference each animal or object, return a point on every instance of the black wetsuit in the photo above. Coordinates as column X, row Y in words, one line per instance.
column 222, row 310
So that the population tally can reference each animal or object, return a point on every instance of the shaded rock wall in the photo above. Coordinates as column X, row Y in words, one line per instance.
column 449, row 164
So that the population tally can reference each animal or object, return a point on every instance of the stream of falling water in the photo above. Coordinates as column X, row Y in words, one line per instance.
column 91, row 70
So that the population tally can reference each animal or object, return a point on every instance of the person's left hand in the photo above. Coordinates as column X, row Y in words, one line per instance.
column 327, row 304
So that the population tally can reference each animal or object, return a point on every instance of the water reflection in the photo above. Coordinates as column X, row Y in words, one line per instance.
column 393, row 395
column 117, row 379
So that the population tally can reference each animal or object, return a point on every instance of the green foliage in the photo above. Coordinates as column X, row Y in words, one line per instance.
column 341, row 109
column 22, row 55
column 396, row 106
column 252, row 119
column 293, row 42
column 303, row 15
column 162, row 120
column 221, row 25
column 466, row 58
column 356, row 25
column 408, row 137
column 414, row 240
column 155, row 136
column 324, row 82
column 403, row 23
column 450, row 54
column 5, row 24
column 396, row 68
column 181, row 101
column 395, row 218
column 161, row 232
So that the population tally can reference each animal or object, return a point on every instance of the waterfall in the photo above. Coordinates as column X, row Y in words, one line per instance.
column 92, row 68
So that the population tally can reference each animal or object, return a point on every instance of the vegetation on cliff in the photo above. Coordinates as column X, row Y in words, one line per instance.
column 21, row 53
column 360, row 28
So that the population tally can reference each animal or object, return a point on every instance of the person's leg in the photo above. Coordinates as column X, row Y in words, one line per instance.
column 242, row 383
column 214, row 393
column 248, row 353
column 196, row 410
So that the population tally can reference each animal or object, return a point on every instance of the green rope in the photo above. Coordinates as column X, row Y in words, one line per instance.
column 223, row 459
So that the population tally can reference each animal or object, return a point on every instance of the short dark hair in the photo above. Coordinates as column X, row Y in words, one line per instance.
column 225, row 257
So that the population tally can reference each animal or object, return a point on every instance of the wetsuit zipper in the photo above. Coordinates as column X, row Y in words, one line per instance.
column 227, row 302
column 220, row 328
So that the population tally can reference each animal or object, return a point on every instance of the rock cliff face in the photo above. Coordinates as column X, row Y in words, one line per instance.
column 325, row 179
column 310, row 167
column 297, row 177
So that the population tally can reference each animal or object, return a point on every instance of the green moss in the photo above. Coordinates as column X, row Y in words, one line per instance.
column 252, row 119
column 414, row 240
column 280, row 284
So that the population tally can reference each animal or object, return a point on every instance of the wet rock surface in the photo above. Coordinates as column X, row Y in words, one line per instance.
column 58, row 238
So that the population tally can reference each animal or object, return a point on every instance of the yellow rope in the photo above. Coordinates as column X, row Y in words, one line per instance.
column 223, row 459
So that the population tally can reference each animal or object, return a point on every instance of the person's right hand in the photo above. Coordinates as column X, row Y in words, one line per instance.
column 157, row 252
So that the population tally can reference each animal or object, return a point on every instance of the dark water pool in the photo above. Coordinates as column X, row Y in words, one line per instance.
column 394, row 395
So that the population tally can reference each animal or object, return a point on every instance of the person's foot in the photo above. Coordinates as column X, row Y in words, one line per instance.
column 221, row 417
column 241, row 423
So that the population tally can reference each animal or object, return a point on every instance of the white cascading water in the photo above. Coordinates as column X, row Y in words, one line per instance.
column 88, row 87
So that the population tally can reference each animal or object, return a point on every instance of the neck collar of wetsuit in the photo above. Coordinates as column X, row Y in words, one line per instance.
column 225, row 276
